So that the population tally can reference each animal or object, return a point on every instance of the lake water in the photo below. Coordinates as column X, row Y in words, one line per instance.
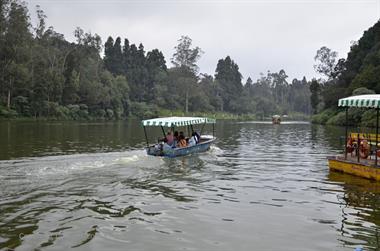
column 90, row 186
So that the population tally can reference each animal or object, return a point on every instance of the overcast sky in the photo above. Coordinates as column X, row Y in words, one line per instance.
column 259, row 35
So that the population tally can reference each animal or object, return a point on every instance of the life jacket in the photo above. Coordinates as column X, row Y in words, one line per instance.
column 182, row 143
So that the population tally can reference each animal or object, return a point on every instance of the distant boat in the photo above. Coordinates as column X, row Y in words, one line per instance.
column 276, row 119
column 361, row 150
column 158, row 149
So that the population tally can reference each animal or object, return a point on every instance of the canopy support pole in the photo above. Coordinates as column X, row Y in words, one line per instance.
column 146, row 138
column 377, row 132
column 203, row 126
column 192, row 130
column 358, row 148
column 345, row 144
column 163, row 131
column 213, row 130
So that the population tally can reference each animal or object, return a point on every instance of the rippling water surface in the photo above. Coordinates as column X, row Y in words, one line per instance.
column 90, row 186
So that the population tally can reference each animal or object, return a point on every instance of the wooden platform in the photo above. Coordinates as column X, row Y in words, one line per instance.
column 364, row 168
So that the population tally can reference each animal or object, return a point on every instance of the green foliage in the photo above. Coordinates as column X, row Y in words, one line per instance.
column 45, row 76
column 229, row 78
column 185, row 56
column 361, row 69
column 315, row 90
column 323, row 117
column 326, row 59
column 362, row 91
column 7, row 113
column 143, row 110
column 358, row 74
column 367, row 78
column 369, row 118
column 338, row 119
column 354, row 117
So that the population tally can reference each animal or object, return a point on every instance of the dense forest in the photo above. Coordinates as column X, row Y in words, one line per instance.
column 358, row 74
column 45, row 76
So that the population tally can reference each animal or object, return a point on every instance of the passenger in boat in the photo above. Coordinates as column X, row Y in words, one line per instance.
column 176, row 138
column 182, row 141
column 170, row 138
column 192, row 140
column 364, row 149
column 197, row 137
column 166, row 146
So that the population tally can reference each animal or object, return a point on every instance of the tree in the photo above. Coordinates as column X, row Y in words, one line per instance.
column 314, row 98
column 185, row 56
column 108, row 54
column 229, row 78
column 326, row 62
column 17, row 40
column 184, row 60
column 41, row 26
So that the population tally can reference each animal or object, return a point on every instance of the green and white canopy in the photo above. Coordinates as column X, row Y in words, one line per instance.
column 177, row 121
column 368, row 101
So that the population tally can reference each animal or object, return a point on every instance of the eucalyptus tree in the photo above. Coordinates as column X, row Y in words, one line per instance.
column 185, row 60
column 16, row 56
column 326, row 60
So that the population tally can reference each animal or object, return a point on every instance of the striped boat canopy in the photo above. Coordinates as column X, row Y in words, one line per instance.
column 177, row 121
column 369, row 101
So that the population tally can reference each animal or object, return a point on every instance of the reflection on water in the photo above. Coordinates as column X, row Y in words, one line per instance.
column 90, row 186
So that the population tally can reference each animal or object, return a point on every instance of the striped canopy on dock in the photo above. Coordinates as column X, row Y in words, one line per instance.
column 369, row 101
column 177, row 121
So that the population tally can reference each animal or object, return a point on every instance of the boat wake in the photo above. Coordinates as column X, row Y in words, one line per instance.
column 68, row 164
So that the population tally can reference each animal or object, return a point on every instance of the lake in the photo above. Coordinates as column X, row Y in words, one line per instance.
column 91, row 186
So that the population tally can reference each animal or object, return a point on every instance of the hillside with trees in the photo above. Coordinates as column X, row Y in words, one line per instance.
column 45, row 76
column 358, row 74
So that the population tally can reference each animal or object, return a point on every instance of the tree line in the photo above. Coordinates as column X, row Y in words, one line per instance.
column 44, row 75
column 358, row 74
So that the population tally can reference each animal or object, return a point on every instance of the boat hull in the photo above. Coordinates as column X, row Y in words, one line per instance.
column 364, row 170
column 177, row 152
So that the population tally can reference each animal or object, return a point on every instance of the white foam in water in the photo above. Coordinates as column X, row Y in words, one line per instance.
column 67, row 164
column 126, row 160
column 215, row 150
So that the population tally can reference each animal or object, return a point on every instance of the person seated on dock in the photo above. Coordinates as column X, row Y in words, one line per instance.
column 350, row 146
column 364, row 149
column 182, row 141
column 193, row 140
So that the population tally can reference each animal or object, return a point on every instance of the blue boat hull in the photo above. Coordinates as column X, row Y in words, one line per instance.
column 176, row 152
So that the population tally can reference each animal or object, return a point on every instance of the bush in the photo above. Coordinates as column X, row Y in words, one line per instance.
column 62, row 112
column 323, row 117
column 144, row 110
column 100, row 114
column 354, row 117
column 21, row 105
column 110, row 114
column 7, row 113
column 338, row 119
